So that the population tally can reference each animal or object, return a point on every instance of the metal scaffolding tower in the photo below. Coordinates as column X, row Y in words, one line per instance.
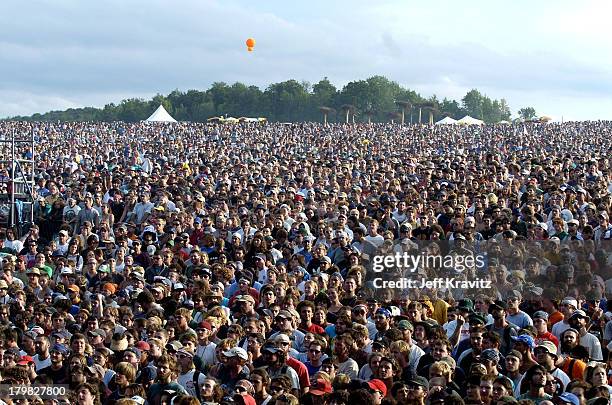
column 17, row 181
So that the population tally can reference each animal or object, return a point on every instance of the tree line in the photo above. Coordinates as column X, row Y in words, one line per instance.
column 376, row 99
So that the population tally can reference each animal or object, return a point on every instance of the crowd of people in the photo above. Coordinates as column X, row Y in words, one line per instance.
column 310, row 264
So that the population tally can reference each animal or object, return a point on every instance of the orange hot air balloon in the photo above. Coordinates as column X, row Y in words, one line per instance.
column 250, row 43
column 250, row 48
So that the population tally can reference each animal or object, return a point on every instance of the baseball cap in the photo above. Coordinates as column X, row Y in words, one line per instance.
column 174, row 346
column 465, row 305
column 320, row 387
column 579, row 314
column 25, row 360
column 97, row 332
column 245, row 298
column 59, row 348
column 204, row 325
column 143, row 346
column 405, row 325
column 526, row 339
column 569, row 398
column 477, row 319
column 498, row 305
column 134, row 350
column 420, row 381
column 570, row 301
column 548, row 346
column 540, row 315
column 184, row 352
column 236, row 352
column 284, row 314
column 282, row 338
column 515, row 294
column 378, row 385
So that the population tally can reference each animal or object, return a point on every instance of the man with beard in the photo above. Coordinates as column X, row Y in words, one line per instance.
column 57, row 371
column 276, row 366
column 579, row 321
column 42, row 357
column 167, row 372
column 382, row 322
column 572, row 366
column 535, row 379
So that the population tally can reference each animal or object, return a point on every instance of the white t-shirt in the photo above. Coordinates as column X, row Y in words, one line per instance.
column 559, row 328
column 16, row 245
column 207, row 354
column 349, row 367
column 186, row 381
column 450, row 327
column 592, row 344
column 40, row 364
column 377, row 240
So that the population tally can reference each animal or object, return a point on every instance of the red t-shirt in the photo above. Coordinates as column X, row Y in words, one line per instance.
column 301, row 370
column 547, row 336
column 313, row 328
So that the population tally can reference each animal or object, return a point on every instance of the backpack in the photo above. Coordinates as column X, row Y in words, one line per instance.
column 196, row 383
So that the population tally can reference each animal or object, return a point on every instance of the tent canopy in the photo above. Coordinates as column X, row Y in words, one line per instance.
column 160, row 115
column 446, row 121
column 467, row 120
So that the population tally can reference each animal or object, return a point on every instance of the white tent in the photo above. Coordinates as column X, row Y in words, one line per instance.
column 446, row 121
column 160, row 115
column 467, row 120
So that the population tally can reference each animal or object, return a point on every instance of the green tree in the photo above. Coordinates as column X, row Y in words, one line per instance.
column 527, row 113
column 293, row 101
column 451, row 108
column 504, row 110
column 472, row 103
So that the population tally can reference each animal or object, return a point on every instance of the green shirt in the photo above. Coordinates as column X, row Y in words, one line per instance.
column 535, row 400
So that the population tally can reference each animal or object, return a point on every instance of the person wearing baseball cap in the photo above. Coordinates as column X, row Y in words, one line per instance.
column 378, row 389
column 320, row 387
column 234, row 369
column 540, row 322
column 189, row 377
column 546, row 356
column 579, row 321
column 567, row 398
column 514, row 314
column 567, row 306
column 418, row 388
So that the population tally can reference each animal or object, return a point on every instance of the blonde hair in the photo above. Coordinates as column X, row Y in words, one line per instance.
column 442, row 368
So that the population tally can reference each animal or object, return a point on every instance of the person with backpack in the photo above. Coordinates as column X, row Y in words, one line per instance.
column 189, row 378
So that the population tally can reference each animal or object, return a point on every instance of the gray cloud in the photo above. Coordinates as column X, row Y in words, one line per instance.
column 74, row 53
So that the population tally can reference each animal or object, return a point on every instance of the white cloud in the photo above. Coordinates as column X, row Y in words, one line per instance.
column 68, row 53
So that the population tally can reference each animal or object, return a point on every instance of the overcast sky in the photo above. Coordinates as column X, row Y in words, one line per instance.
column 552, row 55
